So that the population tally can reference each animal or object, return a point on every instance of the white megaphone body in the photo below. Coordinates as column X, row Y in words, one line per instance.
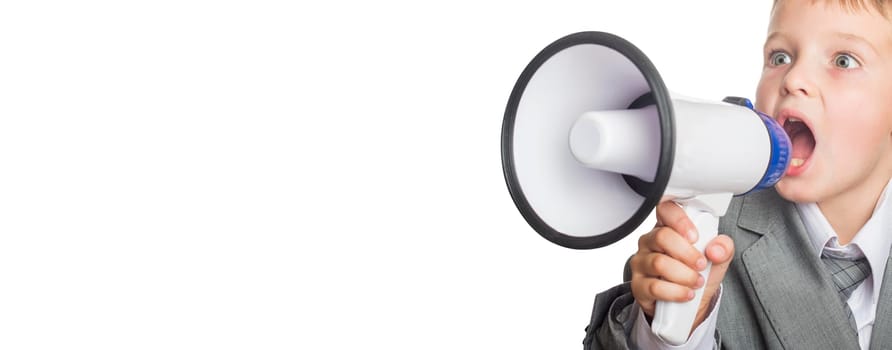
column 592, row 141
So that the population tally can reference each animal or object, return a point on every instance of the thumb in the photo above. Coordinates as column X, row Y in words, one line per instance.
column 719, row 251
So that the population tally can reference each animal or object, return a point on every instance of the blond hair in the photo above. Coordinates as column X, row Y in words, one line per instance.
column 856, row 5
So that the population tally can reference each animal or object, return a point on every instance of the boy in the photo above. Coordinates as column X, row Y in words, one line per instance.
column 776, row 281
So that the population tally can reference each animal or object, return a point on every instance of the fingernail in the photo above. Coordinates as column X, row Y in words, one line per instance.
column 692, row 236
column 700, row 282
column 701, row 264
column 718, row 251
column 690, row 294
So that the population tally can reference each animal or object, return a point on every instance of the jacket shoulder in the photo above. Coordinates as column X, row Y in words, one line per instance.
column 611, row 318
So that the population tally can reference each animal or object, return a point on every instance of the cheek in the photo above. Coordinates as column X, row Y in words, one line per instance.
column 859, row 110
column 767, row 92
column 858, row 134
column 764, row 100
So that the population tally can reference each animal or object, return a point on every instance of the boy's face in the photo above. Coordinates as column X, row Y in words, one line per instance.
column 831, row 68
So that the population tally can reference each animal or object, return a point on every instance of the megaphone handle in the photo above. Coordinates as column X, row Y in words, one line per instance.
column 673, row 321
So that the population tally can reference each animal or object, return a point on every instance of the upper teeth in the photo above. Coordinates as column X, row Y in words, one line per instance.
column 794, row 120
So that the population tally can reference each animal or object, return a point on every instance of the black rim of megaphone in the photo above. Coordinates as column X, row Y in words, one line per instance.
column 652, row 193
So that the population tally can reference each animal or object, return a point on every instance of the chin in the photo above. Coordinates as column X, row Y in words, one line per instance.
column 796, row 190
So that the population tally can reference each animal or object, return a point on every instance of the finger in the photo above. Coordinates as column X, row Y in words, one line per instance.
column 644, row 241
column 720, row 250
column 668, row 241
column 657, row 265
column 649, row 290
column 647, row 304
column 672, row 215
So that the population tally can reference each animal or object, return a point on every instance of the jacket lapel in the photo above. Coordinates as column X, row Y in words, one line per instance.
column 881, row 336
column 796, row 294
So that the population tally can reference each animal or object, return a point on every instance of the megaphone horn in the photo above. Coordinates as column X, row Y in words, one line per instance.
column 568, row 204
column 592, row 141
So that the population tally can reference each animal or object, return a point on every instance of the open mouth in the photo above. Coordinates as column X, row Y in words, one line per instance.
column 803, row 141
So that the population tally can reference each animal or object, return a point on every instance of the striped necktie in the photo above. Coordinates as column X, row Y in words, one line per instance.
column 847, row 275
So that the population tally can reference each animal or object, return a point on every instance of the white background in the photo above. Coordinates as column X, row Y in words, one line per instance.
column 298, row 175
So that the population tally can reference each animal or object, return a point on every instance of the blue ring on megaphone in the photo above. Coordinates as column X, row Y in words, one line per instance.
column 781, row 151
column 654, row 191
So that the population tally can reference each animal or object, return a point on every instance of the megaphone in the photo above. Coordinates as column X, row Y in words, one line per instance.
column 592, row 141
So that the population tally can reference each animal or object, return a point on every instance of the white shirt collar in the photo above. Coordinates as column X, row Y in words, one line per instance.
column 873, row 241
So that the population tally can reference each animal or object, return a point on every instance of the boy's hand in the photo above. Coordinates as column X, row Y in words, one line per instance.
column 666, row 266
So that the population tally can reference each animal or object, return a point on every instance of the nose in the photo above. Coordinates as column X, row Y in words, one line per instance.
column 798, row 81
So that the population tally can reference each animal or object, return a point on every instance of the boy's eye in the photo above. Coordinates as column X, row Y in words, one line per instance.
column 846, row 61
column 779, row 58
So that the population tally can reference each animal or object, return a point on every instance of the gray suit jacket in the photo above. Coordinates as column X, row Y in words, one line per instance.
column 776, row 293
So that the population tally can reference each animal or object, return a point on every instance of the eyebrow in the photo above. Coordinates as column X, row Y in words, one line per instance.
column 772, row 36
column 844, row 36
column 857, row 39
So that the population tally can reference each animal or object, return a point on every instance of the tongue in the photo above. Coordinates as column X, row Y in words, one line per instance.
column 803, row 144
